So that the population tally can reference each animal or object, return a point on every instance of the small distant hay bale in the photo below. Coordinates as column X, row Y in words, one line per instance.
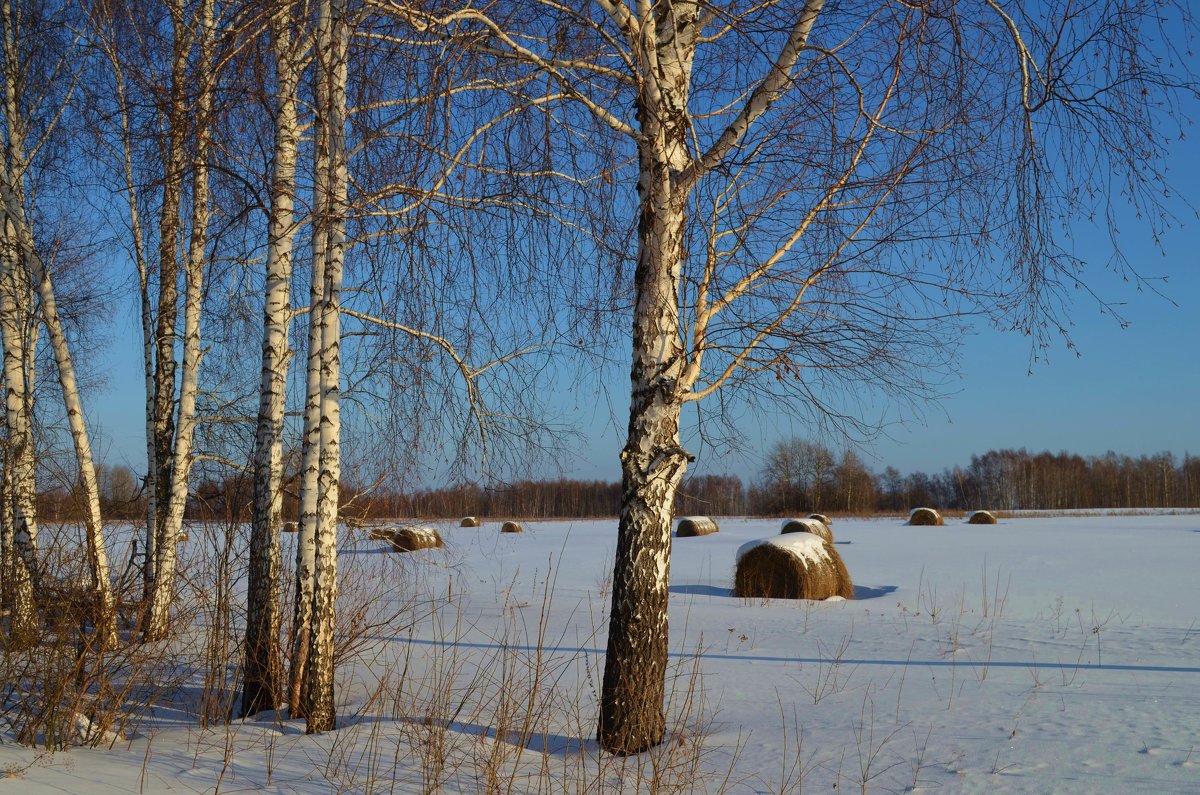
column 981, row 517
column 793, row 566
column 410, row 539
column 512, row 527
column 380, row 533
column 290, row 527
column 925, row 516
column 469, row 521
column 691, row 526
column 810, row 525
column 183, row 538
column 822, row 518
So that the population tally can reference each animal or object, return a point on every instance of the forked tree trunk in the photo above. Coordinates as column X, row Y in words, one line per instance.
column 171, row 520
column 262, row 686
column 306, row 545
column 103, row 604
column 332, row 48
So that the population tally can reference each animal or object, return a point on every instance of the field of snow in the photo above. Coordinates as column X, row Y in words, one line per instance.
column 1043, row 654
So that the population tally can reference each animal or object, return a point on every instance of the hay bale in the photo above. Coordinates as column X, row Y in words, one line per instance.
column 410, row 539
column 981, row 517
column 512, row 527
column 925, row 516
column 290, row 527
column 690, row 526
column 469, row 521
column 794, row 566
column 380, row 533
column 810, row 525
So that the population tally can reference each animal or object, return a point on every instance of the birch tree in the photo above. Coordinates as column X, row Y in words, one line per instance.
column 263, row 675
column 822, row 195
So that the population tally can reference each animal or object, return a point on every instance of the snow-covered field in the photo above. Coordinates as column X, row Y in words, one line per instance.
column 1044, row 654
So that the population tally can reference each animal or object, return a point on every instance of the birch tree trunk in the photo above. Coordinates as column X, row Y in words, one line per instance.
column 652, row 461
column 171, row 521
column 103, row 605
column 15, row 305
column 306, row 549
column 262, row 684
column 22, row 546
column 163, row 404
column 333, row 46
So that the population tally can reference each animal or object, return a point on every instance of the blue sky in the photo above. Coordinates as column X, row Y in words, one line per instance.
column 1133, row 390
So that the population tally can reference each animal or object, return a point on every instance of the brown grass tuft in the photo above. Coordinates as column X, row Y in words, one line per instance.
column 925, row 516
column 691, row 526
column 801, row 566
column 512, row 527
column 809, row 525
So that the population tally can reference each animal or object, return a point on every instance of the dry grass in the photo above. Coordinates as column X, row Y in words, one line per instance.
column 512, row 527
column 981, row 517
column 690, row 526
column 925, row 516
column 792, row 568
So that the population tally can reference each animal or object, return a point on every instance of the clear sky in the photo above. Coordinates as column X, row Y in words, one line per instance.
column 1133, row 390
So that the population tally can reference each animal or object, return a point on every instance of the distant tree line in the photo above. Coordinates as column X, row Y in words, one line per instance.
column 796, row 476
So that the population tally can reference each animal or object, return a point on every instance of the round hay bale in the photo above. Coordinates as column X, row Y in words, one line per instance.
column 981, row 517
column 290, row 527
column 469, row 521
column 380, row 533
column 814, row 526
column 410, row 539
column 691, row 526
column 793, row 566
column 822, row 518
column 925, row 516
column 512, row 527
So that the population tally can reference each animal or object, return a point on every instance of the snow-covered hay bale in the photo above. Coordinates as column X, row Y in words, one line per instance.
column 822, row 518
column 981, row 517
column 469, row 521
column 512, row 527
column 925, row 516
column 410, row 539
column 793, row 566
column 690, row 526
column 810, row 525
column 380, row 533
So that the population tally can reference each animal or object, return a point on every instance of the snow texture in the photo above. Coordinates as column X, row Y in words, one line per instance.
column 1059, row 656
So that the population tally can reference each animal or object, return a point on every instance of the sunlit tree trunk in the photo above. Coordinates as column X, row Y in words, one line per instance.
column 263, row 675
column 332, row 48
column 15, row 307
column 171, row 521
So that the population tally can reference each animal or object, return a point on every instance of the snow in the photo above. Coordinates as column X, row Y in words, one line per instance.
column 803, row 545
column 1057, row 656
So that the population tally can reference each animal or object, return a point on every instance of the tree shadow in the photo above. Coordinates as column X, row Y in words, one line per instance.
column 868, row 592
column 701, row 590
